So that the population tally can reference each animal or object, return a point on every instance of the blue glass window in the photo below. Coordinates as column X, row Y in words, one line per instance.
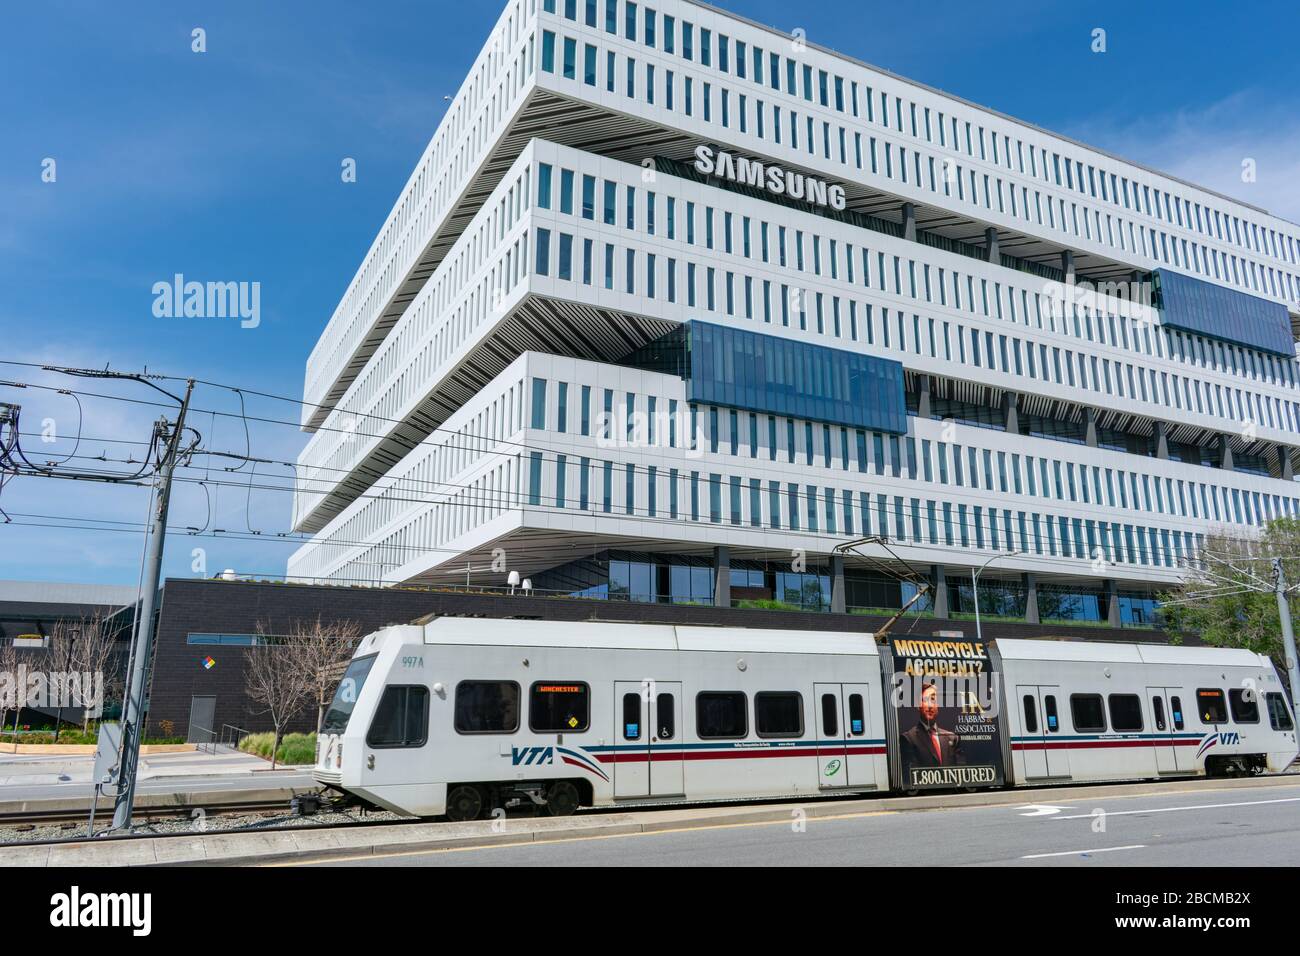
column 735, row 368
column 1193, row 305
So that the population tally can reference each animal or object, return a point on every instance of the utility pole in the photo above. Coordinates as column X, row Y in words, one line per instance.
column 133, row 711
column 1288, row 633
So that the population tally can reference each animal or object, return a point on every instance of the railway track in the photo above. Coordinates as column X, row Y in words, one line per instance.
column 38, row 818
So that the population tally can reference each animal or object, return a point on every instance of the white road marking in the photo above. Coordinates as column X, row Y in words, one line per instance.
column 1203, row 806
column 1041, row 809
column 1102, row 849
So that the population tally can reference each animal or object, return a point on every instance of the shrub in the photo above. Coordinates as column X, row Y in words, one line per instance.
column 259, row 744
column 69, row 736
column 294, row 748
column 298, row 749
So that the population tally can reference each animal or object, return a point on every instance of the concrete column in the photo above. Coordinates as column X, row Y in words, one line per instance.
column 991, row 243
column 1090, row 423
column 1225, row 453
column 1284, row 463
column 909, row 222
column 838, row 603
column 923, row 401
column 939, row 581
column 1162, row 440
column 1011, row 409
column 1067, row 265
column 721, row 576
column 1112, row 603
column 1031, row 598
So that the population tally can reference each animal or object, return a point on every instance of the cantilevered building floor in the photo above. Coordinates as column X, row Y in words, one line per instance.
column 674, row 309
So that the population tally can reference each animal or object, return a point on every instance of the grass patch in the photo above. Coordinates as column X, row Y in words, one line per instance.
column 888, row 612
column 987, row 618
column 294, row 749
column 768, row 604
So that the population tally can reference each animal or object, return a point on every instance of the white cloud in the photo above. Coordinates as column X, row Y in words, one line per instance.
column 1208, row 146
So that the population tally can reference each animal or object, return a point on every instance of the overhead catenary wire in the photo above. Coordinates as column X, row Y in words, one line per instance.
column 512, row 498
column 544, row 450
column 476, row 439
column 477, row 443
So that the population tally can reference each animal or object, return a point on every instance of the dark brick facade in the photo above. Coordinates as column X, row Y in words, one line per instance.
column 237, row 607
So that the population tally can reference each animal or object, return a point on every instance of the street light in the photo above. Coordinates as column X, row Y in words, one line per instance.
column 975, row 587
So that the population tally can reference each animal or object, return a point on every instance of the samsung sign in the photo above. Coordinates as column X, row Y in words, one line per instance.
column 772, row 179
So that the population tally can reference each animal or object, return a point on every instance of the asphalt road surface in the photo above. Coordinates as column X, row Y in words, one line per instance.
column 1234, row 827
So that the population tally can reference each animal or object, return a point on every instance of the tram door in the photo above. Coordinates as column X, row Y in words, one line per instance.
column 647, row 731
column 1040, row 722
column 841, row 715
column 1166, row 720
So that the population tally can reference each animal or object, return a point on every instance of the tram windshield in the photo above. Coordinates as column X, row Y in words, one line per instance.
column 345, row 696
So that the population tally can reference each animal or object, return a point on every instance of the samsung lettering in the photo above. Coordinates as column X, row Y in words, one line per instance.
column 772, row 179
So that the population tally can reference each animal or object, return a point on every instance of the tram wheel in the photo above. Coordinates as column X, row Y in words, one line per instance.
column 561, row 799
column 464, row 803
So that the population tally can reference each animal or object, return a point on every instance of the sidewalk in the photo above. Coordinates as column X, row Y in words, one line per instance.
column 49, row 783
column 33, row 770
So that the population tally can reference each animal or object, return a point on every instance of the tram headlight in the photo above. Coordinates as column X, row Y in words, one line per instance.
column 338, row 757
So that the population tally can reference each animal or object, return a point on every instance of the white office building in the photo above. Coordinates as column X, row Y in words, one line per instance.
column 675, row 305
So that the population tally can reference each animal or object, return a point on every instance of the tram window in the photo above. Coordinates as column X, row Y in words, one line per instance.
column 487, row 707
column 666, row 711
column 1087, row 713
column 857, row 716
column 1176, row 706
column 1125, row 713
column 1031, row 715
column 720, row 714
column 1049, row 708
column 345, row 695
column 1210, row 704
column 778, row 714
column 1158, row 705
column 401, row 719
column 1278, row 715
column 558, row 707
column 631, row 716
column 830, row 716
column 1245, row 708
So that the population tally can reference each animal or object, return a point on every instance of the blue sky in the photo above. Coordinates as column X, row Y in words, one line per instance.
column 225, row 166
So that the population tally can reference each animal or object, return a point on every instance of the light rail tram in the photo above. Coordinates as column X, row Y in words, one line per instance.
column 459, row 717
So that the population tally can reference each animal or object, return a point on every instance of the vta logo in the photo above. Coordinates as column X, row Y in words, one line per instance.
column 532, row 756
column 1226, row 738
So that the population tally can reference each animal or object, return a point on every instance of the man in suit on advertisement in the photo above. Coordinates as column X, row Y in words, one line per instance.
column 927, row 744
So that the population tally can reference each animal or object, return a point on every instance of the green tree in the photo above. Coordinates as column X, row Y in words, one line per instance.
column 1227, row 600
